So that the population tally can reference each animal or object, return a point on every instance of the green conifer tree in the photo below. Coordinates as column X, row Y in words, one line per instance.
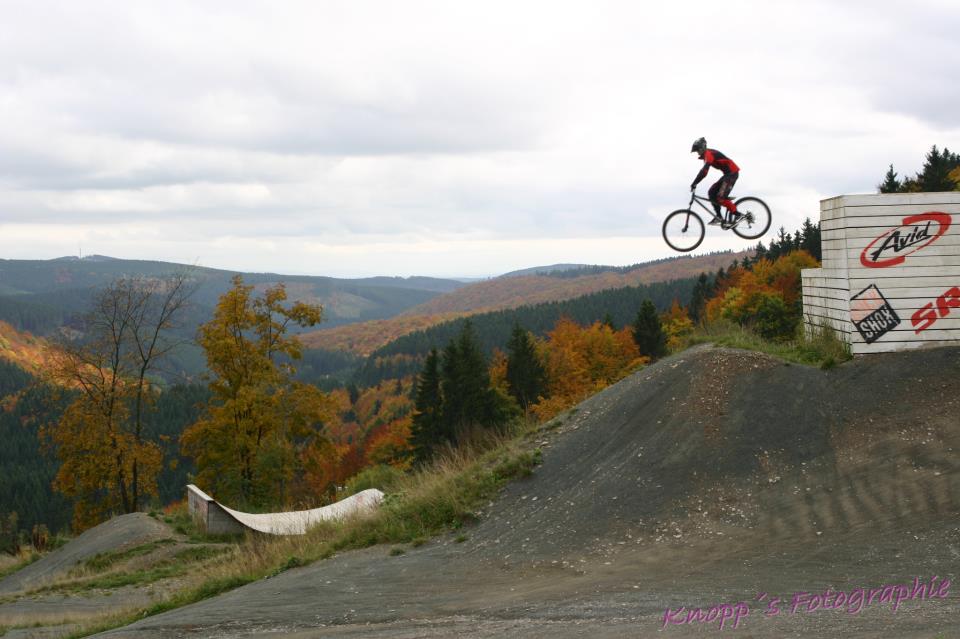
column 935, row 175
column 702, row 291
column 427, row 431
column 526, row 376
column 810, row 238
column 468, row 399
column 648, row 332
column 890, row 182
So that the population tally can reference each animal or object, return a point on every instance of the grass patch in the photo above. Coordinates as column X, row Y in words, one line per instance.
column 105, row 560
column 180, row 563
column 25, row 560
column 432, row 501
column 819, row 347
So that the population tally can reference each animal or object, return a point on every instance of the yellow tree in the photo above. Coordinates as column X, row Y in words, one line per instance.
column 676, row 324
column 247, row 445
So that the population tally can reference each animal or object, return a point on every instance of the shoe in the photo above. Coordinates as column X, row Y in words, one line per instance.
column 729, row 224
column 715, row 221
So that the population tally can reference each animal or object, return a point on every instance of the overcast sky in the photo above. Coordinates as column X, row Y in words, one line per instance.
column 446, row 138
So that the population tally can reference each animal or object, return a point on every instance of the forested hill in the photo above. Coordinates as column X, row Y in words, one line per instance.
column 404, row 356
column 29, row 466
column 40, row 296
column 512, row 291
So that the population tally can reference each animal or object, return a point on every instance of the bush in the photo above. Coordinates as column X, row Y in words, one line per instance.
column 9, row 534
column 773, row 320
column 382, row 477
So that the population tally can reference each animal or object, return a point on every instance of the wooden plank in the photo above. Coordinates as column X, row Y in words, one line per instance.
column 826, row 294
column 827, row 306
column 892, row 199
column 930, row 255
column 936, row 270
column 839, row 324
column 860, row 236
column 889, row 347
column 892, row 215
column 877, row 221
column 942, row 282
column 908, row 293
column 901, row 334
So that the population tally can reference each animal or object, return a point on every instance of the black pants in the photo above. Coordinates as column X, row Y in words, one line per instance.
column 720, row 191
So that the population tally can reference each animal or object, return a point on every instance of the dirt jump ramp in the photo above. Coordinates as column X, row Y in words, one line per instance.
column 712, row 482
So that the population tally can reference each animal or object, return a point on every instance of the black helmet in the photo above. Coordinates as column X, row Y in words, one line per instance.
column 699, row 146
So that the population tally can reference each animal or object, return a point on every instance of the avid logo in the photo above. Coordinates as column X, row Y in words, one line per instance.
column 915, row 233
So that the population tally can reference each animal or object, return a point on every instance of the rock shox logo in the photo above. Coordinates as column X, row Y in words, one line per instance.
column 915, row 233
column 872, row 314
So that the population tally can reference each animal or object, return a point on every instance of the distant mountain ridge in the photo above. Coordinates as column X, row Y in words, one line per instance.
column 511, row 292
column 541, row 270
column 42, row 295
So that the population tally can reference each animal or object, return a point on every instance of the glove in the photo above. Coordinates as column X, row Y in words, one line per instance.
column 693, row 187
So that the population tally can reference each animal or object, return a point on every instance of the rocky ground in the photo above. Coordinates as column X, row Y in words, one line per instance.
column 722, row 482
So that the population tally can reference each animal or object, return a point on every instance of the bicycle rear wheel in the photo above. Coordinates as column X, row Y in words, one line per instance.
column 758, row 218
column 683, row 230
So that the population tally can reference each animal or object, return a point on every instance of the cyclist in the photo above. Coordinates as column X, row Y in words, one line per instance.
column 720, row 192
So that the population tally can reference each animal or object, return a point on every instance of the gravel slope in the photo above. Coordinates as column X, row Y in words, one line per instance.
column 710, row 477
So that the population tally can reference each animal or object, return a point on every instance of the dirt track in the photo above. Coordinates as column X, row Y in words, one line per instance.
column 708, row 478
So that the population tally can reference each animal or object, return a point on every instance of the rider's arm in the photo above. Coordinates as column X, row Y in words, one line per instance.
column 702, row 174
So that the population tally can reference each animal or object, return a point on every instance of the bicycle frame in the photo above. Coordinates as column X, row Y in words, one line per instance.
column 700, row 200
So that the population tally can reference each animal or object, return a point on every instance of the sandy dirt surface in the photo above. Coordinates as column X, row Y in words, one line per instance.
column 55, row 613
column 712, row 477
column 117, row 534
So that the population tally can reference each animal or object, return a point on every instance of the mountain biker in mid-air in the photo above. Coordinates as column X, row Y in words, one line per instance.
column 720, row 192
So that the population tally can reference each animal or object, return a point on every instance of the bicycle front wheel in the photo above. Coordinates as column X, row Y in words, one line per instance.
column 758, row 218
column 683, row 230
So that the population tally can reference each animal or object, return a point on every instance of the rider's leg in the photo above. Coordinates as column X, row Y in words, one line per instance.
column 714, row 194
column 723, row 194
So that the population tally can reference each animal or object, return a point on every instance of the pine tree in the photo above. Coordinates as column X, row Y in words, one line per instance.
column 935, row 175
column 648, row 332
column 890, row 182
column 810, row 239
column 526, row 375
column 702, row 291
column 468, row 399
column 427, row 431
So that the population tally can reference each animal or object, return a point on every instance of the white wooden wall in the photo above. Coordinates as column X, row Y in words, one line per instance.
column 921, row 292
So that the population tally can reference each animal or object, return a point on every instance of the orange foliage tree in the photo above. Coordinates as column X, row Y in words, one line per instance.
column 765, row 296
column 108, row 464
column 582, row 360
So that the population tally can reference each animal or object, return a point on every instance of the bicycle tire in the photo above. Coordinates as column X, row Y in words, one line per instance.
column 692, row 228
column 759, row 221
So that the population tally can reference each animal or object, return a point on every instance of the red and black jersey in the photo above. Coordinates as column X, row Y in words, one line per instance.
column 716, row 159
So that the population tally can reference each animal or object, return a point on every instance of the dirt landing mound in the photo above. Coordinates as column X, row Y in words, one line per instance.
column 715, row 476
column 117, row 534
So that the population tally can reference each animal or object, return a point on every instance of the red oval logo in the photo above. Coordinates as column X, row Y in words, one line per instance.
column 908, row 238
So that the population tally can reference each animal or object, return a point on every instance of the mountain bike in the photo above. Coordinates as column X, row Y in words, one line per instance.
column 683, row 230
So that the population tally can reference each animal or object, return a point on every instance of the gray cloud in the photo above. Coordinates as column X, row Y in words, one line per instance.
column 282, row 136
